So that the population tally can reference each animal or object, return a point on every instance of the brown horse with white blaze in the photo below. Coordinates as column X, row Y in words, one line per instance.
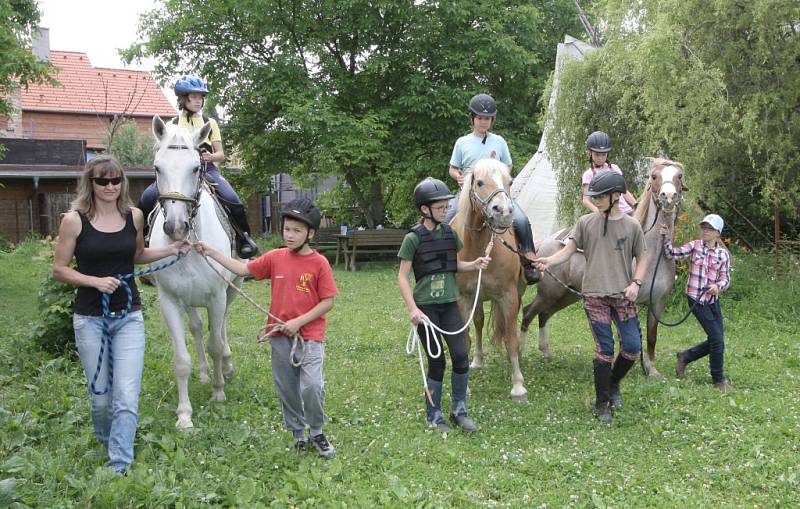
column 483, row 217
column 658, row 204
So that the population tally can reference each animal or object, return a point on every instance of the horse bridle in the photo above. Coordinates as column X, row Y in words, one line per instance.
column 194, row 202
column 483, row 205
column 653, row 196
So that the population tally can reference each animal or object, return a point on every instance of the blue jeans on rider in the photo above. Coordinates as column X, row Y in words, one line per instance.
column 710, row 317
column 115, row 413
column 601, row 312
column 147, row 201
column 521, row 224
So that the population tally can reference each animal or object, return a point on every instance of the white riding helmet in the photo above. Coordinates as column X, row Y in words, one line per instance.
column 714, row 221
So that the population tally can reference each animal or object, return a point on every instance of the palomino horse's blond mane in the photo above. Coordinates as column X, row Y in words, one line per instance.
column 641, row 212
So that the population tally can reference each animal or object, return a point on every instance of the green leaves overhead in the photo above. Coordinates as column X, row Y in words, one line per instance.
column 715, row 85
column 374, row 92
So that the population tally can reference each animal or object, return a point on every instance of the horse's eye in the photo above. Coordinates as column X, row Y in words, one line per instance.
column 157, row 169
column 196, row 169
column 653, row 177
column 480, row 183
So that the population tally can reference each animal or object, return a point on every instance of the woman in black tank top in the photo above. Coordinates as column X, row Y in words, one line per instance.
column 103, row 232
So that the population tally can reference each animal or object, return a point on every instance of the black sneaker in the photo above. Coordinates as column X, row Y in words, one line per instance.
column 324, row 448
column 300, row 445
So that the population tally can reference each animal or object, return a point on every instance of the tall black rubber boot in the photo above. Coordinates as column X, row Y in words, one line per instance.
column 618, row 372
column 524, row 235
column 458, row 414
column 244, row 244
column 435, row 418
column 602, row 381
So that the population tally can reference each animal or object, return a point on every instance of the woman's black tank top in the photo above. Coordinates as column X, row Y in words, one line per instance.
column 105, row 254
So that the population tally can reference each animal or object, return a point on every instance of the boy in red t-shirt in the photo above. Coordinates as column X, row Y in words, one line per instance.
column 302, row 292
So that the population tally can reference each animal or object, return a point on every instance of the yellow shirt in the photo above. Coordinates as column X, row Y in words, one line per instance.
column 195, row 122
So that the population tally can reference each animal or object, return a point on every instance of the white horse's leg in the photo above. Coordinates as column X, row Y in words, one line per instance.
column 227, row 364
column 228, row 371
column 216, row 321
column 181, row 360
column 196, row 326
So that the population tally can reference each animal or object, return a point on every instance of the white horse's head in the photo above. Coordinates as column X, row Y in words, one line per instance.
column 177, row 165
column 487, row 188
column 666, row 183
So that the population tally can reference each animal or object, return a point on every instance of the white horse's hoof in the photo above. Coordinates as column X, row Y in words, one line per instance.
column 545, row 354
column 204, row 378
column 476, row 365
column 184, row 423
column 218, row 396
column 228, row 374
column 519, row 397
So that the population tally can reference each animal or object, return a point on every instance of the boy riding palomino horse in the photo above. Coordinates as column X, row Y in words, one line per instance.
column 481, row 144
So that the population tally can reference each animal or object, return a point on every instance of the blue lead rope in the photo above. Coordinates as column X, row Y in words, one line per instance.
column 107, row 317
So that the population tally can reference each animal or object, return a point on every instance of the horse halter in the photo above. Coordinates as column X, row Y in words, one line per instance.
column 194, row 202
column 483, row 205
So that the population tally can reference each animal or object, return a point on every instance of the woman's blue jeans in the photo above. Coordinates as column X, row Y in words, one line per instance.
column 115, row 413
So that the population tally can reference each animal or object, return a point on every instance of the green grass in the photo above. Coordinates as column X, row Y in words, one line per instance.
column 675, row 443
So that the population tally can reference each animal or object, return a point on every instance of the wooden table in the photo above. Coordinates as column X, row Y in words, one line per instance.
column 367, row 241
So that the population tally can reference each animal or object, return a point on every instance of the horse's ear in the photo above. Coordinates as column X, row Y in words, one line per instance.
column 158, row 127
column 202, row 134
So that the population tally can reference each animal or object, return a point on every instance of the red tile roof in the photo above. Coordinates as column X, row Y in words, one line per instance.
column 87, row 89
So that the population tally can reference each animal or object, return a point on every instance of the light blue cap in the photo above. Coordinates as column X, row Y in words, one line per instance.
column 715, row 221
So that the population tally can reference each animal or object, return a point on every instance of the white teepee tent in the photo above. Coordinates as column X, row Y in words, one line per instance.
column 535, row 188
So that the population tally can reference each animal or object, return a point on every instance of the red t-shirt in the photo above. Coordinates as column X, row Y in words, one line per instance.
column 299, row 282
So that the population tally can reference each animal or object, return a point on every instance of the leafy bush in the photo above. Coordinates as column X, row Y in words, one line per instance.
column 53, row 331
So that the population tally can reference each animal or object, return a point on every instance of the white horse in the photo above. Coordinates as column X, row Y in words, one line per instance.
column 187, row 208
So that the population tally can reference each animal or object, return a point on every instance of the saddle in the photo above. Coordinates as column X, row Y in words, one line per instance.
column 564, row 234
column 219, row 208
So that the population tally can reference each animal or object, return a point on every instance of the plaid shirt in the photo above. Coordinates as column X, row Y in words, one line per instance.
column 708, row 266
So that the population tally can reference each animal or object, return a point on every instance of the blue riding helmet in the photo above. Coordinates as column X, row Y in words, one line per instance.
column 190, row 84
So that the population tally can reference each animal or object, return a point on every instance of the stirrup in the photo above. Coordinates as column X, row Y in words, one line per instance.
column 245, row 246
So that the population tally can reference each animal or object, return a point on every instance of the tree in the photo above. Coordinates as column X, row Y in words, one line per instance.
column 129, row 145
column 19, row 20
column 374, row 92
column 714, row 85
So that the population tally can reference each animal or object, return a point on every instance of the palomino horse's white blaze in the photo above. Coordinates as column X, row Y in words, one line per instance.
column 485, row 205
column 657, row 205
column 191, row 284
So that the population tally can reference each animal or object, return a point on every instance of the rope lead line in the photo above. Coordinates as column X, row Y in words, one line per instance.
column 264, row 333
column 413, row 341
column 105, row 340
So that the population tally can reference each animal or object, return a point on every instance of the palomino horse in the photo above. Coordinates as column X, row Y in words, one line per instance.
column 483, row 216
column 658, row 204
column 186, row 207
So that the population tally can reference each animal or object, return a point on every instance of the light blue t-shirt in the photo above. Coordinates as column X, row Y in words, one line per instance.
column 470, row 149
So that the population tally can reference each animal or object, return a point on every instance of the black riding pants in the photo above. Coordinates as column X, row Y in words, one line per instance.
column 447, row 317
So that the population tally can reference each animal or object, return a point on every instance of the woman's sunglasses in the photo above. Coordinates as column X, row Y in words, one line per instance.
column 104, row 181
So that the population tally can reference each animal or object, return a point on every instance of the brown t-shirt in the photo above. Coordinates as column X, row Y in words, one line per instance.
column 609, row 258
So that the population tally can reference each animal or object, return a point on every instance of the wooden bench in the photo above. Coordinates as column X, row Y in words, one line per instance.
column 386, row 241
column 325, row 241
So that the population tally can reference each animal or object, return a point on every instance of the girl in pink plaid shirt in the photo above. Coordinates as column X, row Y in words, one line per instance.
column 709, row 275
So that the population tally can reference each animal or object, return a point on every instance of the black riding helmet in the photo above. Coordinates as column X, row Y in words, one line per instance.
column 483, row 105
column 606, row 182
column 303, row 210
column 429, row 191
column 598, row 141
